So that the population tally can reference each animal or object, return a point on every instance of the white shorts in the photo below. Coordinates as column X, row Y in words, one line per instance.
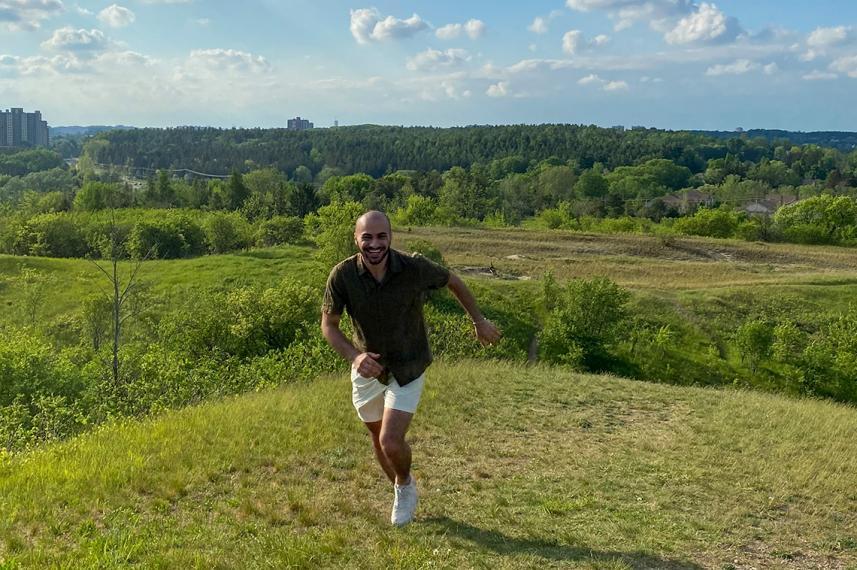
column 370, row 397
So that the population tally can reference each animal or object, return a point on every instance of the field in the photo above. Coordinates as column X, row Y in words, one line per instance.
column 679, row 269
column 519, row 467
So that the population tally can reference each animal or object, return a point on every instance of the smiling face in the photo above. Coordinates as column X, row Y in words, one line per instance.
column 373, row 235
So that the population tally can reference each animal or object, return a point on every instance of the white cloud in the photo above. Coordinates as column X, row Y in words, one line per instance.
column 116, row 16
column 707, row 24
column 681, row 21
column 571, row 41
column 499, row 89
column 28, row 14
column 846, row 65
column 228, row 60
column 825, row 37
column 367, row 25
column 473, row 28
column 539, row 25
column 771, row 68
column 589, row 5
column 202, row 22
column 453, row 92
column 738, row 67
column 593, row 79
column 77, row 41
column 433, row 59
column 816, row 75
column 83, row 11
column 615, row 86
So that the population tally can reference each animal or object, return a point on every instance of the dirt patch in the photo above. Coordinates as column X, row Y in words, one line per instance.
column 490, row 272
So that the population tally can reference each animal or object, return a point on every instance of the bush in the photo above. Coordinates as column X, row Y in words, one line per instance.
column 417, row 211
column 820, row 219
column 426, row 249
column 170, row 236
column 226, row 232
column 245, row 322
column 720, row 223
column 52, row 235
column 332, row 229
column 279, row 230
column 585, row 320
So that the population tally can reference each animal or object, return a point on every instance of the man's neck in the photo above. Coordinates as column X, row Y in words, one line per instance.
column 378, row 271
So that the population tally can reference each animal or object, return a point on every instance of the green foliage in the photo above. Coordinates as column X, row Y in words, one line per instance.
column 426, row 249
column 820, row 219
column 169, row 236
column 226, row 231
column 245, row 322
column 720, row 222
column 99, row 196
column 754, row 340
column 579, row 329
column 332, row 230
column 279, row 230
column 417, row 211
column 20, row 163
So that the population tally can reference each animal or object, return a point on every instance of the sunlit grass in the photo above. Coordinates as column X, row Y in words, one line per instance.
column 518, row 467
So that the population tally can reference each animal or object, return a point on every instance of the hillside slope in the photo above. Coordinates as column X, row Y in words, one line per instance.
column 518, row 467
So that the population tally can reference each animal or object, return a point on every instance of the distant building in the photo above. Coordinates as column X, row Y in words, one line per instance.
column 20, row 129
column 298, row 124
column 768, row 206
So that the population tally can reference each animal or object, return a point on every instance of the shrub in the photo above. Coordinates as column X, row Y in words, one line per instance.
column 583, row 323
column 820, row 219
column 426, row 249
column 719, row 223
column 170, row 236
column 332, row 229
column 226, row 232
column 279, row 230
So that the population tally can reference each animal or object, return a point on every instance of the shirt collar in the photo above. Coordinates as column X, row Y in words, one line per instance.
column 394, row 262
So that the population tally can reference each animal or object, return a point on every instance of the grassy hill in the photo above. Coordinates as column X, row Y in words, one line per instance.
column 518, row 467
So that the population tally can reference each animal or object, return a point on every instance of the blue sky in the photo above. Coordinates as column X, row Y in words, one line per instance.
column 676, row 64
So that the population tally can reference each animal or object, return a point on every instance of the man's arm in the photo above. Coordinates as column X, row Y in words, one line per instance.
column 486, row 331
column 365, row 363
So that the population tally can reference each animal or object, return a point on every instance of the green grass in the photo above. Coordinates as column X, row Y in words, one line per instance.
column 75, row 279
column 518, row 468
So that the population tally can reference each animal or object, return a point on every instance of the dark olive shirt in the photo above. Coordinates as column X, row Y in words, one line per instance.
column 387, row 316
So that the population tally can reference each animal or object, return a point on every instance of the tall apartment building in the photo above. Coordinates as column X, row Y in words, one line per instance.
column 298, row 124
column 18, row 128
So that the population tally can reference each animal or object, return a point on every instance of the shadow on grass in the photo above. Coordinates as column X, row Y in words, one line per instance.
column 506, row 545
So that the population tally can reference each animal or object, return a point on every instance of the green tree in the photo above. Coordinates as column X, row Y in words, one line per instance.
column 580, row 328
column 754, row 340
column 820, row 219
column 332, row 230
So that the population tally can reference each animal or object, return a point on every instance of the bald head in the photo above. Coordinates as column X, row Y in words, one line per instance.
column 372, row 218
column 373, row 234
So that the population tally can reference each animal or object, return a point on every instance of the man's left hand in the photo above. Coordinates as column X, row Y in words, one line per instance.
column 487, row 332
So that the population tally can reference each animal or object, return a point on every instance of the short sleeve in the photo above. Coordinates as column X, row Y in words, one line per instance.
column 432, row 275
column 334, row 294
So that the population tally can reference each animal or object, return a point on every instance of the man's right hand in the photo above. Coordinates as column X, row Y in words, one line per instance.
column 366, row 364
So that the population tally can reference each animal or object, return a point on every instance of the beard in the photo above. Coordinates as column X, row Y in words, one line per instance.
column 375, row 258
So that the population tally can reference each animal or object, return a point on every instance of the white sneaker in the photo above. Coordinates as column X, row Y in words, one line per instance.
column 405, row 503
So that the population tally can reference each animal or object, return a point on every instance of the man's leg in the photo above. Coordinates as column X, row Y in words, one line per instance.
column 375, row 429
column 393, row 445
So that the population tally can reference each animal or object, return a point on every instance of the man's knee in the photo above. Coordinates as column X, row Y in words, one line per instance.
column 392, row 444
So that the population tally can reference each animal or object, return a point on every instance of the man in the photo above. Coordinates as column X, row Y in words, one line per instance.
column 383, row 291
